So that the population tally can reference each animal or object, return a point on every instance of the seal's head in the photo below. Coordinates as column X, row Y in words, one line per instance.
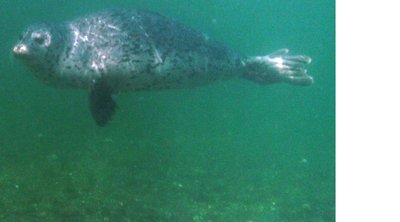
column 39, row 47
column 34, row 43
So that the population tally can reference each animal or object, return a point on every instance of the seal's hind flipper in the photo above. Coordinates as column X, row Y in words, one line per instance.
column 102, row 105
column 278, row 67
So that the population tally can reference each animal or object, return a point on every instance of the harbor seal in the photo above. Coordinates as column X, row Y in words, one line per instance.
column 122, row 50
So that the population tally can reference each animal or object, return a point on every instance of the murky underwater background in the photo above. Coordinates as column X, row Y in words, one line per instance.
column 228, row 152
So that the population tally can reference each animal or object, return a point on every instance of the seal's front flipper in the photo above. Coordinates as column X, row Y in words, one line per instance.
column 102, row 105
column 278, row 67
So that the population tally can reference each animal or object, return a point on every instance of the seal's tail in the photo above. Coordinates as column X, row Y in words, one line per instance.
column 278, row 67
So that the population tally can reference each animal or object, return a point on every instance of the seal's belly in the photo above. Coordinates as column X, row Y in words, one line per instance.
column 179, row 70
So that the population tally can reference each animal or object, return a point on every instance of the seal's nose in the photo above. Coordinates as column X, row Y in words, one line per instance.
column 20, row 50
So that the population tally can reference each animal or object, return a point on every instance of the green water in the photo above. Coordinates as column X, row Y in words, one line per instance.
column 233, row 151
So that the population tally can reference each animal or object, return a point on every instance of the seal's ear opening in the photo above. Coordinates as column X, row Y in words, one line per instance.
column 102, row 105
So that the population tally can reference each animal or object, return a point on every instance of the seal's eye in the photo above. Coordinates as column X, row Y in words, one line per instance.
column 39, row 40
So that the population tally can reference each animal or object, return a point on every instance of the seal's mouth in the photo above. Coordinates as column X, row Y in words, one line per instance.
column 21, row 50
